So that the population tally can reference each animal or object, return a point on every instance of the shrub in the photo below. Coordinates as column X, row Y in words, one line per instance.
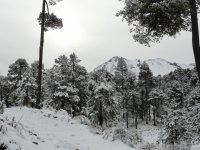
column 82, row 120
column 130, row 138
column 149, row 146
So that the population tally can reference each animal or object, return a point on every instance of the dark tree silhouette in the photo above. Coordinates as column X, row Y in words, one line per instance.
column 46, row 21
column 152, row 19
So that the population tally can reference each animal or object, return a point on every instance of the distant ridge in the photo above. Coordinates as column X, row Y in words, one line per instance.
column 158, row 66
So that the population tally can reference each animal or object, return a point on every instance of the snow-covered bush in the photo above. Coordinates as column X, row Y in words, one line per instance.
column 5, row 125
column 82, row 120
column 149, row 146
column 129, row 137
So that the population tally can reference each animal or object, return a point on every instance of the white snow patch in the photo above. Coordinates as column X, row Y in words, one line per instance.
column 195, row 147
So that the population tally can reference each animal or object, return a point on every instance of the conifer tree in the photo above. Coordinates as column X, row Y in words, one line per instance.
column 102, row 105
column 157, row 98
column 15, row 74
column 145, row 82
column 120, row 79
column 17, row 69
column 70, row 83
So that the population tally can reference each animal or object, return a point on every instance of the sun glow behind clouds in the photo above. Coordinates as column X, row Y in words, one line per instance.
column 72, row 33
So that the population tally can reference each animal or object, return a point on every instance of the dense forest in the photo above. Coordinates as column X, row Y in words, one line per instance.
column 171, row 102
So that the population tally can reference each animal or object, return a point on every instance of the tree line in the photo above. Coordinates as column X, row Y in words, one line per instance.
column 172, row 100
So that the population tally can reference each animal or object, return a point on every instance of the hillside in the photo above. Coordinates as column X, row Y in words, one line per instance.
column 157, row 66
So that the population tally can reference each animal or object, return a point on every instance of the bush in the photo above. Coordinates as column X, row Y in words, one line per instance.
column 130, row 138
column 82, row 120
column 149, row 146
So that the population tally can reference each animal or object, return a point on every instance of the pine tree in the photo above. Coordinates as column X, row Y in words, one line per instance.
column 130, row 95
column 27, row 90
column 135, row 105
column 176, row 95
column 59, row 82
column 46, row 20
column 145, row 82
column 157, row 98
column 70, row 83
column 102, row 105
column 15, row 74
column 1, row 95
column 120, row 79
column 6, row 90
column 17, row 69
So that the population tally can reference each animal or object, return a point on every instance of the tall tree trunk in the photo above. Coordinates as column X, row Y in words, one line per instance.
column 20, row 72
column 126, row 112
column 73, row 77
column 146, row 112
column 149, row 111
column 40, row 58
column 154, row 116
column 136, row 116
column 1, row 92
column 62, row 104
column 146, row 100
column 195, row 35
column 100, row 113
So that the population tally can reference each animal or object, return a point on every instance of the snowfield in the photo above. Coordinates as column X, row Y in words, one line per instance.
column 49, row 130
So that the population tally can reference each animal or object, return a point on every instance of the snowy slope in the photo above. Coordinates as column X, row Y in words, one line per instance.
column 157, row 66
column 49, row 130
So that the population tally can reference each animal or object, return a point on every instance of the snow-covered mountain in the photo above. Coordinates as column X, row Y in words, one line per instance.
column 157, row 66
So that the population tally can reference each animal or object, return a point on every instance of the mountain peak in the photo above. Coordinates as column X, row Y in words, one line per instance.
column 158, row 66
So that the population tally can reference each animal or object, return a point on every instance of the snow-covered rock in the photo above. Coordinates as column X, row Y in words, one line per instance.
column 157, row 66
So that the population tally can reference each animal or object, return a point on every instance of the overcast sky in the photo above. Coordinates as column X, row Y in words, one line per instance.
column 91, row 30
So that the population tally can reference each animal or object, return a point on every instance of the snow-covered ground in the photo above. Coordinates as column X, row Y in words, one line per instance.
column 195, row 147
column 50, row 130
column 32, row 129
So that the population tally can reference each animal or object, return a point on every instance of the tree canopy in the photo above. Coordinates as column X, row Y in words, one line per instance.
column 151, row 20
